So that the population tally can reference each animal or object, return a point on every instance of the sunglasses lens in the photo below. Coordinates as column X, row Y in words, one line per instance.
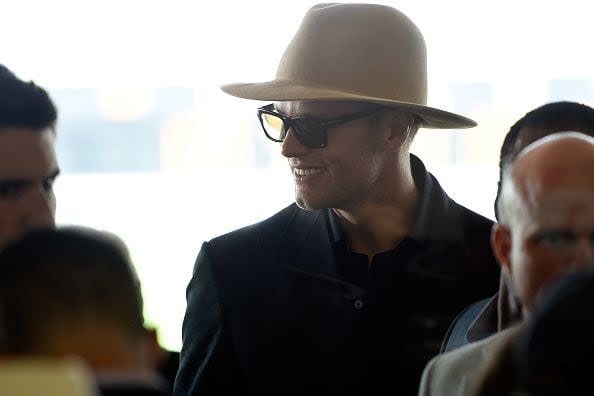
column 309, row 132
column 273, row 126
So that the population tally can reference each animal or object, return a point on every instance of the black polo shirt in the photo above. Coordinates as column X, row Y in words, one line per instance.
column 410, row 290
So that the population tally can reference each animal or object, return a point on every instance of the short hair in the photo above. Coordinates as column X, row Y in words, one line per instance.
column 24, row 104
column 52, row 278
column 553, row 354
column 415, row 124
column 557, row 116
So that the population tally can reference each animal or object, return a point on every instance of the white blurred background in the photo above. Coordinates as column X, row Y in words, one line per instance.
column 152, row 150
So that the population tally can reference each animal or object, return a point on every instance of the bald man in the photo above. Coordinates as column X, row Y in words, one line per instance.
column 502, row 310
column 546, row 229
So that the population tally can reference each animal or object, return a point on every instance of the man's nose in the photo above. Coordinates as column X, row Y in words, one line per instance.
column 291, row 146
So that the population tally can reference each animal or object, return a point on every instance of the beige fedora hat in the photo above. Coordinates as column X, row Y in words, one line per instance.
column 364, row 52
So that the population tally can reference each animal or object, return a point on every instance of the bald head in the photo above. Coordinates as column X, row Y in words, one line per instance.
column 551, row 165
column 547, row 213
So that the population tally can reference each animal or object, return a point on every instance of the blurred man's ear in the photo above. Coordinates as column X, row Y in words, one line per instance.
column 501, row 245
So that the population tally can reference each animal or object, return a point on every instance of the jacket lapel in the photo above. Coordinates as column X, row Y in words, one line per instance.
column 317, row 296
column 311, row 255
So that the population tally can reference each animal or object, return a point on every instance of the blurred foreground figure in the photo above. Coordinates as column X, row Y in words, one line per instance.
column 546, row 229
column 46, row 377
column 552, row 355
column 74, row 292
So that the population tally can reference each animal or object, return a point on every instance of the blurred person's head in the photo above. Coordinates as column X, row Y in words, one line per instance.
column 28, row 164
column 554, row 353
column 547, row 213
column 540, row 122
column 72, row 291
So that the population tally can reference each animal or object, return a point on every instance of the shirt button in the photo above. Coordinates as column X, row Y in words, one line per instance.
column 358, row 304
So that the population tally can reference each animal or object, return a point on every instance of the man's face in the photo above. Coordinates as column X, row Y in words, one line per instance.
column 550, row 234
column 28, row 168
column 348, row 170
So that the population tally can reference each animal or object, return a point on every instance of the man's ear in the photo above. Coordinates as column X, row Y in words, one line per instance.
column 501, row 240
column 397, row 126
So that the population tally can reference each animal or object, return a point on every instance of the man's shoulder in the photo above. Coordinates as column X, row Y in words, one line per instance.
column 481, row 346
column 262, row 250
column 451, row 372
column 274, row 231
column 471, row 357
column 272, row 226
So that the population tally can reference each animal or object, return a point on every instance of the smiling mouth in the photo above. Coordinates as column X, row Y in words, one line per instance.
column 304, row 173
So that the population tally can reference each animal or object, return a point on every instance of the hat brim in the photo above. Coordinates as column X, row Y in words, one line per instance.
column 279, row 90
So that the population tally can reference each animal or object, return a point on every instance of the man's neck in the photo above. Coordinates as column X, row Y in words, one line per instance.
column 380, row 225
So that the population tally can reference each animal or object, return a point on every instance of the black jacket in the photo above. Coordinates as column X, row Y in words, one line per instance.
column 268, row 313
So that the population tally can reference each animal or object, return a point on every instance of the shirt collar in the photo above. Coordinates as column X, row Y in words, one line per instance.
column 336, row 232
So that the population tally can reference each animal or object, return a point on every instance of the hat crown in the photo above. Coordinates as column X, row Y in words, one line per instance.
column 362, row 52
column 365, row 49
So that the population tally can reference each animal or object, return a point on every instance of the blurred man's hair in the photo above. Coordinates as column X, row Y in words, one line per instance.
column 24, row 104
column 556, row 117
column 54, row 280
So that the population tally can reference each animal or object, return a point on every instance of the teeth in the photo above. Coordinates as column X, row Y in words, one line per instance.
column 307, row 171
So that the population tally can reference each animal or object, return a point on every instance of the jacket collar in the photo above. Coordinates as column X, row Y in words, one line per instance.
column 312, row 255
column 437, row 216
column 311, row 249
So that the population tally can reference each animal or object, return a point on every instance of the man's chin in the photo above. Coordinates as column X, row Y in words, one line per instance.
column 310, row 205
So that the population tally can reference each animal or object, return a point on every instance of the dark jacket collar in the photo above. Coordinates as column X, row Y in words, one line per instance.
column 311, row 248
column 437, row 216
column 311, row 255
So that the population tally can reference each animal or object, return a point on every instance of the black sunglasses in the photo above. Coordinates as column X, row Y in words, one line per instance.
column 310, row 131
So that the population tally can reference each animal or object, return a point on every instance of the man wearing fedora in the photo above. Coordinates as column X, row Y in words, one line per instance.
column 352, row 288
